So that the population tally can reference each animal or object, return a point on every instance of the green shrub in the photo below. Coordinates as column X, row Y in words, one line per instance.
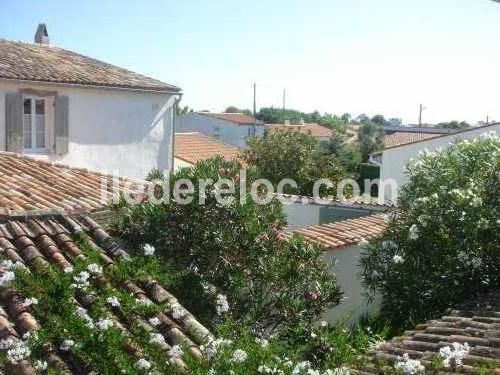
column 271, row 284
column 293, row 155
column 442, row 244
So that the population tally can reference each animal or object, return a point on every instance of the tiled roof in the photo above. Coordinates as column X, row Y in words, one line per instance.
column 313, row 128
column 476, row 323
column 343, row 233
column 40, row 241
column 402, row 138
column 192, row 147
column 237, row 118
column 42, row 63
column 28, row 184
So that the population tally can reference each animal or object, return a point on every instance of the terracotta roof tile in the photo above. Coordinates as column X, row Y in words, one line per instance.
column 193, row 147
column 41, row 63
column 476, row 322
column 402, row 138
column 316, row 130
column 237, row 118
column 342, row 233
column 28, row 184
column 48, row 240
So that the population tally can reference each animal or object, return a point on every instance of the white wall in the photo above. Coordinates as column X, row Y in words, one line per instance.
column 395, row 159
column 344, row 263
column 109, row 129
column 230, row 133
column 179, row 163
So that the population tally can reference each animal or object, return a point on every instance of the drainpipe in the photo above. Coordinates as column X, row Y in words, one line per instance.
column 174, row 115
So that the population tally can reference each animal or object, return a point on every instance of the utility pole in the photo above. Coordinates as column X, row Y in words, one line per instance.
column 420, row 115
column 487, row 119
column 254, row 130
column 284, row 102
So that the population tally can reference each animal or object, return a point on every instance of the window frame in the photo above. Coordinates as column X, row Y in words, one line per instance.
column 32, row 149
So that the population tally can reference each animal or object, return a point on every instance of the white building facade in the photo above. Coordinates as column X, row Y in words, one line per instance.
column 60, row 106
column 392, row 161
column 231, row 128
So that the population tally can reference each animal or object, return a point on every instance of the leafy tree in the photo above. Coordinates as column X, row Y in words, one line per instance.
column 348, row 155
column 370, row 139
column 291, row 154
column 346, row 117
column 272, row 285
column 233, row 109
column 454, row 125
column 394, row 121
column 379, row 120
column 442, row 242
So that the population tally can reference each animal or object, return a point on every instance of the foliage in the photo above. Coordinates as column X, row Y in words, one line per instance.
column 321, row 350
column 370, row 139
column 442, row 243
column 278, row 116
column 293, row 155
column 454, row 125
column 233, row 109
column 272, row 284
column 92, row 337
column 348, row 155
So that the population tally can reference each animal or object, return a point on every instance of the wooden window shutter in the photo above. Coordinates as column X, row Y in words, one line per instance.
column 61, row 105
column 14, row 122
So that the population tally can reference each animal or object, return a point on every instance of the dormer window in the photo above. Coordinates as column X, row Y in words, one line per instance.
column 34, row 124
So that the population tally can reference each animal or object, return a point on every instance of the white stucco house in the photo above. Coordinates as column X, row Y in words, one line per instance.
column 60, row 106
column 343, row 243
column 393, row 160
column 230, row 128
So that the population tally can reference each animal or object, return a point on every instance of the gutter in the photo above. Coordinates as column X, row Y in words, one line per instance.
column 93, row 86
column 174, row 115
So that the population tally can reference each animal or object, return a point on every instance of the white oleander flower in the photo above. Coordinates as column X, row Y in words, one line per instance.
column 68, row 269
column 30, row 301
column 476, row 202
column 452, row 355
column 149, row 250
column 41, row 365
column 66, row 345
column 94, row 269
column 323, row 323
column 222, row 306
column 83, row 313
column 81, row 281
column 18, row 352
column 398, row 259
column 240, row 356
column 262, row 342
column 7, row 278
column 339, row 371
column 414, row 232
column 143, row 364
column 175, row 352
column 143, row 301
column 113, row 301
column 178, row 311
column 300, row 367
column 157, row 339
column 104, row 324
column 408, row 365
column 154, row 321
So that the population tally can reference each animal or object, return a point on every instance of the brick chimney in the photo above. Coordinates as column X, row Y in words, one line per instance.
column 41, row 35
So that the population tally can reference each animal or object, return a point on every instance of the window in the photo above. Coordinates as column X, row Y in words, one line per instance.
column 34, row 124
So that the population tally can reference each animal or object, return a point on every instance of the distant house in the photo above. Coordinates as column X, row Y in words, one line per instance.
column 231, row 128
column 342, row 243
column 394, row 158
column 58, row 105
column 321, row 133
column 192, row 147
column 400, row 135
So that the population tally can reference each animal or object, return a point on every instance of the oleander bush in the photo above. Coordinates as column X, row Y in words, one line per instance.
column 233, row 252
column 442, row 244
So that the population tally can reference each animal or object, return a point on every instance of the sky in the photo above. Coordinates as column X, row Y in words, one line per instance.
column 358, row 56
